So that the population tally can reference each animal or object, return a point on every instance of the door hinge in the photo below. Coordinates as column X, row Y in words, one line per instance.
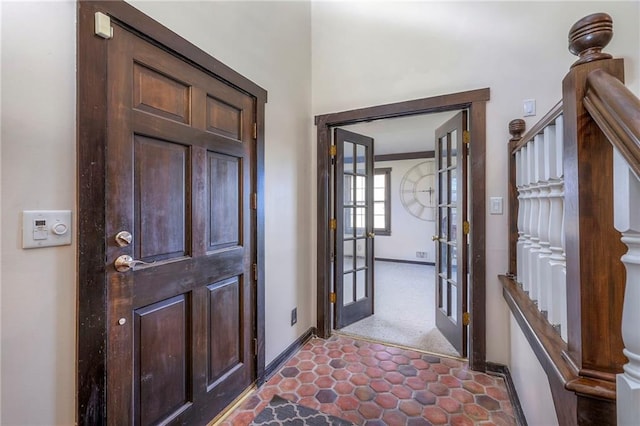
column 332, row 298
column 333, row 150
column 466, row 318
column 255, row 347
column 255, row 130
column 466, row 137
column 254, row 268
column 102, row 25
column 466, row 227
column 333, row 224
column 254, row 201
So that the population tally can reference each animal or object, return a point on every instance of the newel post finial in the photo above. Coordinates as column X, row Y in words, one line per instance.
column 589, row 36
column 516, row 128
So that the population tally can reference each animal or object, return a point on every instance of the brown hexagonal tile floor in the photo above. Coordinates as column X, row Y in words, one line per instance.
column 373, row 384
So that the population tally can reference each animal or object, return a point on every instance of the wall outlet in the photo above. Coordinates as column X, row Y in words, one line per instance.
column 421, row 254
column 294, row 316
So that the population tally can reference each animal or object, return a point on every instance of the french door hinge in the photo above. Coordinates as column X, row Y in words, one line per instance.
column 333, row 150
column 466, row 227
column 255, row 347
column 332, row 297
column 333, row 224
column 254, row 201
column 254, row 269
column 255, row 130
column 466, row 137
column 466, row 318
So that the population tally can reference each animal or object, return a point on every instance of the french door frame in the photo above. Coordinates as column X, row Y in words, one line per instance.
column 91, row 168
column 475, row 102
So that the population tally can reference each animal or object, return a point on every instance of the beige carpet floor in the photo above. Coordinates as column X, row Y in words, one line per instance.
column 404, row 309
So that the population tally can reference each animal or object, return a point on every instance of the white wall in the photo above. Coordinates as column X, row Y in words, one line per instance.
column 530, row 380
column 267, row 42
column 367, row 53
column 408, row 233
column 38, row 172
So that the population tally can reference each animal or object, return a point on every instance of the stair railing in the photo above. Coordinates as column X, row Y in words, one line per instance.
column 616, row 110
column 573, row 189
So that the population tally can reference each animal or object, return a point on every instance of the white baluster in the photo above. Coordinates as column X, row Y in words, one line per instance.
column 534, row 292
column 526, row 197
column 559, row 148
column 557, row 261
column 544, row 267
column 627, row 220
column 564, row 328
column 521, row 238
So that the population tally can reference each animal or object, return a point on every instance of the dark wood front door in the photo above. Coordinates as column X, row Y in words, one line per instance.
column 180, row 161
column 354, row 227
column 452, row 229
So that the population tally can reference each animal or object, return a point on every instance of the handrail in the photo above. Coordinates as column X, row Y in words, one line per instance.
column 616, row 110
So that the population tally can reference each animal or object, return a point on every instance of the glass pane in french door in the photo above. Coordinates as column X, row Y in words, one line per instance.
column 348, row 158
column 361, row 287
column 348, row 255
column 348, row 190
column 348, row 293
column 361, row 160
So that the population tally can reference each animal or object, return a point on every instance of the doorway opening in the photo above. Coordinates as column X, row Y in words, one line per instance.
column 415, row 275
column 334, row 239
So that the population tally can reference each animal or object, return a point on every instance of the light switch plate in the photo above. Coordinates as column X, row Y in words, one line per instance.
column 495, row 205
column 529, row 107
column 46, row 228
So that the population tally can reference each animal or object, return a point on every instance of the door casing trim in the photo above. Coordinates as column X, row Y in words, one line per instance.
column 473, row 100
column 91, row 392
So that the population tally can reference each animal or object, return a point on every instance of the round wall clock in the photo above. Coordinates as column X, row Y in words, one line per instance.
column 418, row 191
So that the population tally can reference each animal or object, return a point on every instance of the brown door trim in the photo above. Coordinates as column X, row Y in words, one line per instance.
column 91, row 139
column 475, row 102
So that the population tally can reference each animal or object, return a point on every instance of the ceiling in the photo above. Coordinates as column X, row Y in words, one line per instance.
column 403, row 134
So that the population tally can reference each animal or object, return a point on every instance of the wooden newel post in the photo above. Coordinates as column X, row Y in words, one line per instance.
column 516, row 129
column 595, row 275
column 627, row 197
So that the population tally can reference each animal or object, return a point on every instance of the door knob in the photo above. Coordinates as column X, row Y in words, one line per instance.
column 124, row 238
column 435, row 238
column 126, row 262
column 371, row 234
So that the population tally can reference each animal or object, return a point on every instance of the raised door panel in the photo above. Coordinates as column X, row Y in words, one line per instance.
column 161, row 199
column 161, row 95
column 225, row 331
column 161, row 370
column 224, row 186
column 224, row 118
